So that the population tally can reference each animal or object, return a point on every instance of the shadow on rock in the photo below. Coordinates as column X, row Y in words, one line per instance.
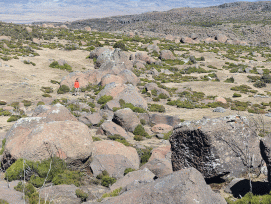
column 242, row 187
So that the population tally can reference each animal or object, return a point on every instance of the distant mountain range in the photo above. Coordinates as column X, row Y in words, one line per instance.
column 26, row 11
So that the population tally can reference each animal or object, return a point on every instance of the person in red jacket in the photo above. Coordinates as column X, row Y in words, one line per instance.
column 76, row 87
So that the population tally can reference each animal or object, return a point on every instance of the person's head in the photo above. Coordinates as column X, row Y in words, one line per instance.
column 76, row 79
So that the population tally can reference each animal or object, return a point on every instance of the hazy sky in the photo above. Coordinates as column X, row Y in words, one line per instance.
column 26, row 11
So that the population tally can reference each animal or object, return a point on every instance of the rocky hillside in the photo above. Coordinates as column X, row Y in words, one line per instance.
column 241, row 20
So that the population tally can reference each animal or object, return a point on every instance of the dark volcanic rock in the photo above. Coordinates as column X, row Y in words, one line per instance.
column 216, row 147
column 265, row 145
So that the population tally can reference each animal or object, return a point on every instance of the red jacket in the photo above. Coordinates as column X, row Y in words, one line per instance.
column 76, row 84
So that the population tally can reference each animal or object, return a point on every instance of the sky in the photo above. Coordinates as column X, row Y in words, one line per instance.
column 27, row 11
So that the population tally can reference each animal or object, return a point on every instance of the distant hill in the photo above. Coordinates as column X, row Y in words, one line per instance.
column 249, row 21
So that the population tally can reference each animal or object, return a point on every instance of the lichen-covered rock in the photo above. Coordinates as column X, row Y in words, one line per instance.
column 216, row 147
column 111, row 128
column 166, row 54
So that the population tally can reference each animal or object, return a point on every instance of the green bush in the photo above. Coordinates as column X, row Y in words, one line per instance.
column 259, row 84
column 104, row 99
column 47, row 89
column 139, row 130
column 32, row 196
column 121, row 45
column 131, row 106
column 249, row 198
column 144, row 155
column 5, row 113
column 128, row 170
column 120, row 139
column 3, row 201
column 138, row 138
column 63, row 89
column 46, row 95
column 3, row 103
column 13, row 118
column 40, row 103
column 167, row 135
column 3, row 146
column 229, row 80
column 55, row 82
column 162, row 96
column 114, row 193
column 235, row 95
column 27, row 103
column 143, row 122
column 81, row 194
column 55, row 64
column 266, row 78
column 156, row 108
column 108, row 181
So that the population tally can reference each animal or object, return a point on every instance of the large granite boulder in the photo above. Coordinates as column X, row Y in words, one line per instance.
column 164, row 119
column 140, row 176
column 154, row 86
column 35, row 139
column 127, row 92
column 60, row 194
column 160, row 162
column 56, row 112
column 185, row 186
column 114, row 157
column 109, row 128
column 216, row 147
column 166, row 54
column 126, row 118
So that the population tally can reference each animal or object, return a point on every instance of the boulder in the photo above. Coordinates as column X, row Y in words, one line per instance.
column 161, row 128
column 143, row 56
column 160, row 161
column 35, row 139
column 221, row 38
column 127, row 92
column 111, row 104
column 109, row 78
column 111, row 128
column 154, row 86
column 194, row 36
column 56, row 112
column 84, row 78
column 87, row 28
column 91, row 119
column 139, row 64
column 219, row 110
column 129, row 77
column 126, row 118
column 9, row 194
column 153, row 47
column 62, row 62
column 216, row 147
column 265, row 146
column 220, row 99
column 7, row 38
column 185, row 186
column 166, row 54
column 186, row 40
column 98, row 51
column 36, row 41
column 164, row 119
column 64, row 26
column 60, row 194
column 113, row 157
column 28, row 29
column 140, row 176
column 153, row 72
column 209, row 40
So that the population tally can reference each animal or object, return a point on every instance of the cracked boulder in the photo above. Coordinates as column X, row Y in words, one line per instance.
column 216, row 147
